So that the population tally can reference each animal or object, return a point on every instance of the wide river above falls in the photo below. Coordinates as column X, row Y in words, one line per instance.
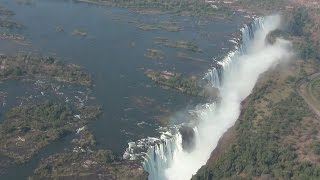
column 113, row 51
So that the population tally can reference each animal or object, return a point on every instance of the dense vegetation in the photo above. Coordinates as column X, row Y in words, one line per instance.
column 59, row 164
column 89, row 165
column 180, row 7
column 181, row 44
column 301, row 26
column 86, row 161
column 259, row 150
column 297, row 31
column 4, row 23
column 315, row 88
column 29, row 128
column 178, row 81
column 42, row 117
column 298, row 22
column 45, row 67
column 263, row 6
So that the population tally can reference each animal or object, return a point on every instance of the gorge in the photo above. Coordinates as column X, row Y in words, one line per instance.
column 235, row 77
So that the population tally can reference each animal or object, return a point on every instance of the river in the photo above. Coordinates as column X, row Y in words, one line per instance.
column 113, row 52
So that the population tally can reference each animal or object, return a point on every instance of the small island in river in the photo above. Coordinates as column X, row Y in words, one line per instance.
column 187, row 85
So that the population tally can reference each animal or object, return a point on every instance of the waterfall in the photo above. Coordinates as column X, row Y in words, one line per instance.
column 235, row 76
column 159, row 156
column 216, row 74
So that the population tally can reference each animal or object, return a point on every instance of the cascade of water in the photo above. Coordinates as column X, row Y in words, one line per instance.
column 216, row 74
column 235, row 76
column 159, row 156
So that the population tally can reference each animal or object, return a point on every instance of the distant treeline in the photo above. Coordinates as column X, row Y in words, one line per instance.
column 182, row 7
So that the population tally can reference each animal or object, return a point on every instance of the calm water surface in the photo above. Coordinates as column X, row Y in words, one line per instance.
column 117, row 66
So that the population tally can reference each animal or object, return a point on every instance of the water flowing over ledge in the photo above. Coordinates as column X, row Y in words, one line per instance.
column 235, row 77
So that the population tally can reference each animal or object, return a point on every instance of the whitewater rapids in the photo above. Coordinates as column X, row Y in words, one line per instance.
column 235, row 77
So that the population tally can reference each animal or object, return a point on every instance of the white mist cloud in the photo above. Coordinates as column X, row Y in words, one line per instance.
column 238, row 83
